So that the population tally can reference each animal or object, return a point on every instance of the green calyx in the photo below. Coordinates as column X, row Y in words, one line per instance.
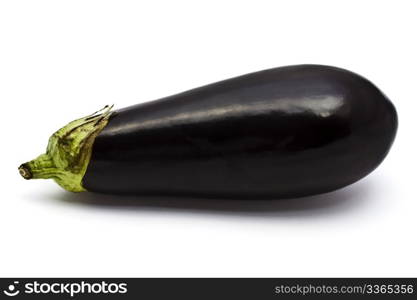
column 68, row 153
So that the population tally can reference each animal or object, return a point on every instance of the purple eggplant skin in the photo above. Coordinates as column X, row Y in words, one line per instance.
column 279, row 133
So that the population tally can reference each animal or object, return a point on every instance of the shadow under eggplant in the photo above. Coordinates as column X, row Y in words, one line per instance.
column 340, row 200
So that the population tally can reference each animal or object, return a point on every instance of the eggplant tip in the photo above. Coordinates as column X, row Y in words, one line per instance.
column 25, row 172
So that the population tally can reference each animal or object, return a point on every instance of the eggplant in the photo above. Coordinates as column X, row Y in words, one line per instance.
column 279, row 133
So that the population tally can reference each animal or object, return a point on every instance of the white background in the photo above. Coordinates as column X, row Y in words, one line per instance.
column 60, row 60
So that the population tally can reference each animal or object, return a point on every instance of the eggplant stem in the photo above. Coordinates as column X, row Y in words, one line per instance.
column 68, row 152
